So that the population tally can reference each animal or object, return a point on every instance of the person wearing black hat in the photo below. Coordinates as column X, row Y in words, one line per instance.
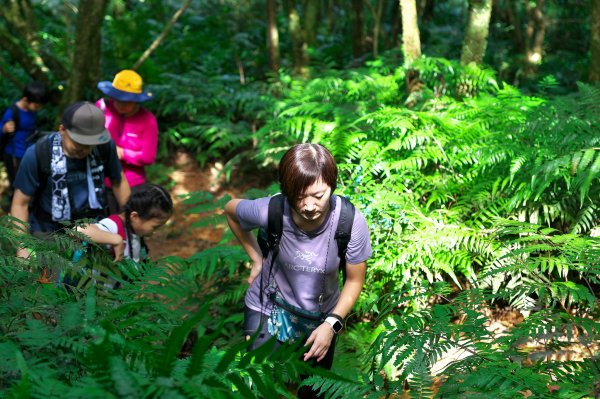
column 61, row 178
column 132, row 127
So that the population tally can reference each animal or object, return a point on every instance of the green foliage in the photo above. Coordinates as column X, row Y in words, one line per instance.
column 453, row 339
column 476, row 194
column 97, row 342
column 433, row 182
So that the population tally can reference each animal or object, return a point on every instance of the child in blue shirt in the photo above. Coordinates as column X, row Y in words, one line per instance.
column 16, row 131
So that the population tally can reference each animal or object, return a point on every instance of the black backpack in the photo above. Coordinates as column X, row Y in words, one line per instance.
column 43, row 156
column 269, row 238
column 16, row 118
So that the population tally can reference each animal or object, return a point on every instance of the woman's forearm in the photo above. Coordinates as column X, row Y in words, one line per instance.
column 355, row 279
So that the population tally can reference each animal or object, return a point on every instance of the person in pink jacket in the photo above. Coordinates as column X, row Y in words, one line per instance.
column 132, row 127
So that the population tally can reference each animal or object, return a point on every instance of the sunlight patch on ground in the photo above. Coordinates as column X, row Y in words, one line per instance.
column 180, row 188
column 189, row 177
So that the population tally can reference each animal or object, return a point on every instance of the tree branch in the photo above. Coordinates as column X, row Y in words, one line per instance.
column 160, row 37
column 10, row 44
column 16, row 81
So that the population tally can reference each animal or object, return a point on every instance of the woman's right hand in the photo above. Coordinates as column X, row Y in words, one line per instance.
column 256, row 269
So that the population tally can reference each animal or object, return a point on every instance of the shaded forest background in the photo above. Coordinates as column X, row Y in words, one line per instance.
column 467, row 132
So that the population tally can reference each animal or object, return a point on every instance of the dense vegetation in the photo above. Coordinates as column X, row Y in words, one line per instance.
column 481, row 195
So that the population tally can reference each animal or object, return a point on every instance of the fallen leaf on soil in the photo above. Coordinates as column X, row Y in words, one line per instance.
column 552, row 388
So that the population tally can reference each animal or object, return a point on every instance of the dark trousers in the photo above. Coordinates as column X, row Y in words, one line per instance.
column 256, row 321
column 12, row 166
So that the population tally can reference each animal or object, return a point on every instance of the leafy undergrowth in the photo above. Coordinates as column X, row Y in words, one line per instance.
column 477, row 196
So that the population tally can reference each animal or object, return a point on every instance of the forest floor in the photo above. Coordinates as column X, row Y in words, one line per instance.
column 180, row 237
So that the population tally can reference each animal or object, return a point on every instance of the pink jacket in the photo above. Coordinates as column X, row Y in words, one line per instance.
column 137, row 135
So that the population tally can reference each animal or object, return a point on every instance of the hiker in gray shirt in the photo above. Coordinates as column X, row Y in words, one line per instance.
column 298, row 295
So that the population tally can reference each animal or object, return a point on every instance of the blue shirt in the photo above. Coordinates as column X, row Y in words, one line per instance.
column 17, row 144
column 28, row 181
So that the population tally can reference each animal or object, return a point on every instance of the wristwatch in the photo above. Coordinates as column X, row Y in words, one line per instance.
column 336, row 322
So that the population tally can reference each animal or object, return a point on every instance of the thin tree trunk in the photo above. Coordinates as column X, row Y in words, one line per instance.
column 411, row 38
column 518, row 36
column 536, row 32
column 331, row 6
column 162, row 35
column 272, row 37
column 358, row 38
column 595, row 43
column 86, row 62
column 376, row 12
column 68, row 7
column 392, row 38
column 299, row 47
column 476, row 32
column 240, row 67
column 311, row 13
column 23, row 20
column 20, row 55
column 19, row 37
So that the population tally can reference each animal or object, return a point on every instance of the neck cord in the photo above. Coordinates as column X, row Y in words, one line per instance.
column 322, row 296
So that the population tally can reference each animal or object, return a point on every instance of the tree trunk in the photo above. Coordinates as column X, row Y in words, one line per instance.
column 595, row 43
column 330, row 12
column 272, row 37
column 395, row 22
column 358, row 38
column 411, row 38
column 513, row 20
column 19, row 37
column 311, row 13
column 299, row 47
column 536, row 32
column 86, row 60
column 376, row 12
column 426, row 13
column 476, row 32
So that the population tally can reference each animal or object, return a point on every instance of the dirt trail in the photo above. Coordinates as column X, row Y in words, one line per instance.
column 178, row 237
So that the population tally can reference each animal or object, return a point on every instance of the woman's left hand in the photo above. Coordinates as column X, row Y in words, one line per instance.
column 320, row 340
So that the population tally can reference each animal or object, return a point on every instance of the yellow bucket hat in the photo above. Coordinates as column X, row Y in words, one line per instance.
column 126, row 86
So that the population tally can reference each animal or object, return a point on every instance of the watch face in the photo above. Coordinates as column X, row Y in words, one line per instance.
column 337, row 326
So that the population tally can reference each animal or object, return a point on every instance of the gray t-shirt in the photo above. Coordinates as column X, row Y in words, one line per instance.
column 308, row 262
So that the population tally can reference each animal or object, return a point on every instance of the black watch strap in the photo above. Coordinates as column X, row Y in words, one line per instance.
column 335, row 321
column 340, row 319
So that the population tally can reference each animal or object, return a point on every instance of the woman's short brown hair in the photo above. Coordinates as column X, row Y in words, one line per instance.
column 303, row 165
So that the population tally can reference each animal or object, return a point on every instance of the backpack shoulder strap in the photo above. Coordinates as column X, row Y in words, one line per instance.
column 120, row 227
column 275, row 223
column 16, row 117
column 268, row 238
column 103, row 150
column 344, row 231
column 42, row 154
